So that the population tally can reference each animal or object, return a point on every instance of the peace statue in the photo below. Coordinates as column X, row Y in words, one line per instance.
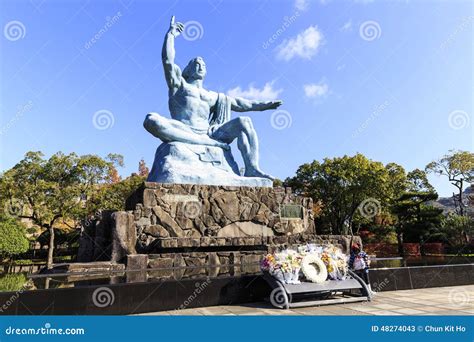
column 195, row 148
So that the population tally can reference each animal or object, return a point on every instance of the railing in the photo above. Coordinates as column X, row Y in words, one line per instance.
column 42, row 253
column 23, row 268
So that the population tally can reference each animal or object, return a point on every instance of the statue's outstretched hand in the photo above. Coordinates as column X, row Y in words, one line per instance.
column 175, row 28
column 274, row 104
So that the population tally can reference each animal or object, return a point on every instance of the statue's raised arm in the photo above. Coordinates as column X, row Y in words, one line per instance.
column 172, row 71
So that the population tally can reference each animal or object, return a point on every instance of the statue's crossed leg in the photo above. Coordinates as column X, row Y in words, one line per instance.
column 169, row 130
column 241, row 128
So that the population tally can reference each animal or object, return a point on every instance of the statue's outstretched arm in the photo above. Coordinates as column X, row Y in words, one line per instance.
column 172, row 71
column 239, row 104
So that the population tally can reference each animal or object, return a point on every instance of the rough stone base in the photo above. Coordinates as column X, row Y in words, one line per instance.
column 192, row 225
column 213, row 262
column 191, row 216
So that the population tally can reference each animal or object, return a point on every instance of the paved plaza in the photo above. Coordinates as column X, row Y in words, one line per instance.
column 454, row 300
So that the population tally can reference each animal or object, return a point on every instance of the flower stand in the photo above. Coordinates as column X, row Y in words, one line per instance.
column 285, row 296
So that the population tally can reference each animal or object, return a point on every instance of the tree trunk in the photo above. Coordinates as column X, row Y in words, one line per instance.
column 466, row 237
column 401, row 252
column 50, row 248
column 461, row 204
column 458, row 197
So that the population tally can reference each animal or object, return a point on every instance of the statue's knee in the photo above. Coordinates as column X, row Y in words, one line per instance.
column 152, row 120
column 246, row 122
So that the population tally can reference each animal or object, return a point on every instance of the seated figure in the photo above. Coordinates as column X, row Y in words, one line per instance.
column 202, row 118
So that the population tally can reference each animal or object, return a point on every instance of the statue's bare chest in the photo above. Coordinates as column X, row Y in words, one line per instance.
column 190, row 93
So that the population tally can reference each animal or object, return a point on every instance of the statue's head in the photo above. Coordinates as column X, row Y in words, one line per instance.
column 195, row 70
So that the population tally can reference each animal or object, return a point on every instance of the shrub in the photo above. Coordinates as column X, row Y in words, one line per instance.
column 12, row 237
column 12, row 282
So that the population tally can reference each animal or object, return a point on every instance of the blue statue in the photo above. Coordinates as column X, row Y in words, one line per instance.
column 196, row 139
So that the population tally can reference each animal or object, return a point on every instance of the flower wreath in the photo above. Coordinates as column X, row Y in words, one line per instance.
column 314, row 269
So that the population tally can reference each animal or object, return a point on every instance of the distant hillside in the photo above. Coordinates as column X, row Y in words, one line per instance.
column 447, row 203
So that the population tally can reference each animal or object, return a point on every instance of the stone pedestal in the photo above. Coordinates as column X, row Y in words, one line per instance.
column 170, row 216
column 137, row 263
column 194, row 230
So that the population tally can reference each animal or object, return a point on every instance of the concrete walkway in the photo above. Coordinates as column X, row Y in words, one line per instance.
column 455, row 300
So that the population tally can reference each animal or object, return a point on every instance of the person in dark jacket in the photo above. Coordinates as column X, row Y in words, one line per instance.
column 360, row 263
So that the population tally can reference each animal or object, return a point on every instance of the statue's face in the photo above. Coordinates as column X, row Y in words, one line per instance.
column 199, row 69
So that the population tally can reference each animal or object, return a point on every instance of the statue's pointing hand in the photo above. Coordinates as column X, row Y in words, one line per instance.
column 274, row 104
column 175, row 27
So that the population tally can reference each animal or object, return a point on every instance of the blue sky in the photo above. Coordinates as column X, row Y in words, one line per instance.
column 390, row 79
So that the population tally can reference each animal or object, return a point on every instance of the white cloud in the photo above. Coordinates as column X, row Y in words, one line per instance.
column 267, row 93
column 304, row 45
column 347, row 26
column 316, row 90
column 301, row 5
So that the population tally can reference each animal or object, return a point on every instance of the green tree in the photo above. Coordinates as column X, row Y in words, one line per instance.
column 277, row 182
column 417, row 221
column 12, row 237
column 454, row 227
column 418, row 181
column 396, row 183
column 63, row 187
column 349, row 188
column 458, row 166
column 112, row 196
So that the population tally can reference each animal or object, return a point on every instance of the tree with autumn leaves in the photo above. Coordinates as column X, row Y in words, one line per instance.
column 355, row 192
column 63, row 189
column 349, row 192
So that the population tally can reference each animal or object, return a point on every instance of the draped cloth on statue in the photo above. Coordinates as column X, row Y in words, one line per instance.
column 222, row 112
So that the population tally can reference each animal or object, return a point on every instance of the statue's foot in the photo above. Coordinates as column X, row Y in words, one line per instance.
column 257, row 173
